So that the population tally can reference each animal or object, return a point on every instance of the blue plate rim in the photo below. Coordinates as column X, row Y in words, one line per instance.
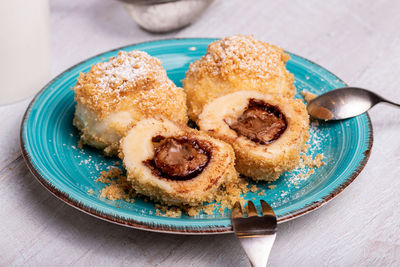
column 63, row 196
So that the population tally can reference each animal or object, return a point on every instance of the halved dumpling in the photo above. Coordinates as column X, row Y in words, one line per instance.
column 267, row 132
column 175, row 164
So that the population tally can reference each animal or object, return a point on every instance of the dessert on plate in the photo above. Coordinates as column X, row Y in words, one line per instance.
column 239, row 93
column 266, row 132
column 237, row 63
column 175, row 164
column 116, row 94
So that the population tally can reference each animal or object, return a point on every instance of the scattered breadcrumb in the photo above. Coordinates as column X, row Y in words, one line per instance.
column 80, row 144
column 308, row 96
column 317, row 161
column 261, row 193
column 231, row 193
column 166, row 211
column 108, row 176
column 312, row 162
column 113, row 192
column 253, row 188
column 174, row 212
column 90, row 191
column 306, row 148
column 117, row 187
column 309, row 164
column 193, row 211
column 209, row 209
column 225, row 199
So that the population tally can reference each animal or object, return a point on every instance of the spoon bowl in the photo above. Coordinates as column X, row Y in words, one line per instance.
column 344, row 103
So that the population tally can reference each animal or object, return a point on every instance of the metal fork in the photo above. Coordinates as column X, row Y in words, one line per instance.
column 255, row 233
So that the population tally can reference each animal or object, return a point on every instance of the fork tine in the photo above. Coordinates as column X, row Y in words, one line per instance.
column 266, row 208
column 237, row 210
column 255, row 233
column 251, row 209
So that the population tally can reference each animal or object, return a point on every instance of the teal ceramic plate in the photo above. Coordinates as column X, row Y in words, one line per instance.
column 49, row 145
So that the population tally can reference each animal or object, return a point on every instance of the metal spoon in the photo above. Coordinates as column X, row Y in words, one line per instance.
column 344, row 103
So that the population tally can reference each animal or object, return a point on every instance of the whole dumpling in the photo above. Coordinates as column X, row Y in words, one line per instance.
column 116, row 94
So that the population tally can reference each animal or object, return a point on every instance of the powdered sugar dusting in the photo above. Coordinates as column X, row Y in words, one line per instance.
column 107, row 84
column 310, row 159
column 243, row 55
column 117, row 73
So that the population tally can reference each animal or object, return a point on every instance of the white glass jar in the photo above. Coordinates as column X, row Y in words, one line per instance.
column 24, row 48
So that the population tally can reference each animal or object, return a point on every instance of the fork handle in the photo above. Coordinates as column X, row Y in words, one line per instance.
column 258, row 249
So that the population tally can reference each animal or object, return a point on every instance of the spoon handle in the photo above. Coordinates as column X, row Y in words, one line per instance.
column 392, row 103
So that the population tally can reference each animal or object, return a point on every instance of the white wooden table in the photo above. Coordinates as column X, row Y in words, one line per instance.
column 357, row 40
